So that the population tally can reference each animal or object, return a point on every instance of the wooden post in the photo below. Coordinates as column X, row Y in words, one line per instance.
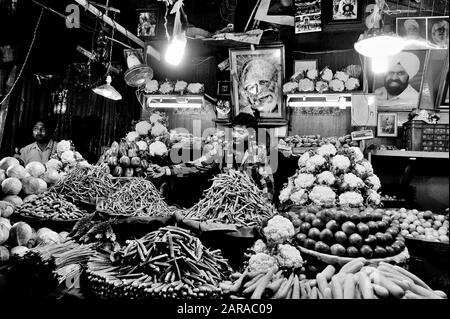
column 4, row 106
column 152, row 51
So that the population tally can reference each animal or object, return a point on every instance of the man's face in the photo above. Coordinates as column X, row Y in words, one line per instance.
column 240, row 134
column 440, row 32
column 396, row 80
column 412, row 31
column 258, row 88
column 39, row 132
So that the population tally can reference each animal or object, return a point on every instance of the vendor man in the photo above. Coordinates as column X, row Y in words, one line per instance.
column 396, row 90
column 240, row 156
column 43, row 147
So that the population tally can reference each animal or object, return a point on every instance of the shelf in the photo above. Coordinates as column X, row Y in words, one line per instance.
column 411, row 154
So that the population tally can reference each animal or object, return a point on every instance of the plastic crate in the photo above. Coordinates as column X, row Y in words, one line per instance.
column 421, row 136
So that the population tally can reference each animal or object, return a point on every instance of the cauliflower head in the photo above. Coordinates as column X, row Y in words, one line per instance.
column 285, row 194
column 304, row 180
column 300, row 197
column 132, row 136
column 53, row 164
column 262, row 262
column 322, row 195
column 303, row 159
column 155, row 117
column 158, row 129
column 373, row 197
column 326, row 74
column 326, row 178
column 63, row 146
column 259, row 246
column 352, row 181
column 343, row 76
column 352, row 84
column 312, row 74
column 158, row 149
column 357, row 155
column 68, row 157
column 142, row 145
column 279, row 229
column 360, row 170
column 373, row 182
column 327, row 150
column 351, row 199
column 289, row 257
column 368, row 166
column 341, row 163
column 143, row 127
column 315, row 162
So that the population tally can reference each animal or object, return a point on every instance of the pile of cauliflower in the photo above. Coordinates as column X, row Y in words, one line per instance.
column 66, row 158
column 276, row 252
column 329, row 177
column 324, row 81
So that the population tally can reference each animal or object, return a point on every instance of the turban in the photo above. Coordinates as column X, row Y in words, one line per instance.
column 409, row 61
column 411, row 23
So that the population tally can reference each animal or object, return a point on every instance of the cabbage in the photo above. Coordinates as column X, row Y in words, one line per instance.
column 17, row 171
column 29, row 198
column 158, row 148
column 142, row 145
column 63, row 146
column 68, row 157
column 2, row 175
column 6, row 162
column 47, row 236
column 51, row 176
column 13, row 199
column 33, row 185
column 6, row 209
column 4, row 233
column 6, row 222
column 20, row 233
column 4, row 255
column 11, row 186
column 19, row 251
column 36, row 169
column 53, row 164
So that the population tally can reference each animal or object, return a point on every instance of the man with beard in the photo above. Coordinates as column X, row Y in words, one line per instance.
column 439, row 33
column 43, row 147
column 242, row 154
column 258, row 91
column 397, row 90
column 412, row 30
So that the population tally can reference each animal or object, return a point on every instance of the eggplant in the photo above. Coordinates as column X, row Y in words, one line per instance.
column 138, row 172
column 112, row 161
column 129, row 172
column 125, row 161
column 144, row 164
column 135, row 162
column 117, row 172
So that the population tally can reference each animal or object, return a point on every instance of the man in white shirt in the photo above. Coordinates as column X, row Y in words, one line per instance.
column 396, row 90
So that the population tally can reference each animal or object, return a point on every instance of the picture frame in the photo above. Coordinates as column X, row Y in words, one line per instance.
column 307, row 16
column 424, row 32
column 409, row 95
column 149, row 23
column 305, row 65
column 257, row 78
column 343, row 15
column 387, row 124
column 223, row 88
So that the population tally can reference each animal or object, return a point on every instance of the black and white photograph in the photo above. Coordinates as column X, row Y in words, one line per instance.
column 400, row 86
column 276, row 12
column 257, row 78
column 305, row 65
column 148, row 21
column 412, row 28
column 345, row 10
column 438, row 31
column 308, row 16
column 387, row 125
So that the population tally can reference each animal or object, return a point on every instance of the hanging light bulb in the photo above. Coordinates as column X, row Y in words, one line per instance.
column 175, row 50
column 375, row 43
column 107, row 90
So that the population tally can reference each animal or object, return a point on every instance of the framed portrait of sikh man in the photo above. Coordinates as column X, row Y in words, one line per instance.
column 399, row 87
column 257, row 78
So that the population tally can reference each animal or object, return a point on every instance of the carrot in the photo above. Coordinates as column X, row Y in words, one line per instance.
column 393, row 288
column 296, row 288
column 411, row 295
column 349, row 287
column 283, row 292
column 336, row 288
column 289, row 294
column 328, row 272
column 262, row 284
column 440, row 293
column 250, row 289
column 275, row 285
column 380, row 291
column 353, row 266
column 414, row 278
column 314, row 293
column 423, row 292
column 253, row 281
column 321, row 282
column 238, row 283
column 313, row 283
column 365, row 286
column 307, row 287
column 282, row 288
column 303, row 292
column 327, row 294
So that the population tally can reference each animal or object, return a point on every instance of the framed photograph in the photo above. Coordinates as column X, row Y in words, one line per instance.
column 398, row 89
column 308, row 16
column 257, row 78
column 148, row 23
column 276, row 12
column 437, row 31
column 224, row 88
column 305, row 65
column 342, row 14
column 412, row 28
column 387, row 125
column 435, row 77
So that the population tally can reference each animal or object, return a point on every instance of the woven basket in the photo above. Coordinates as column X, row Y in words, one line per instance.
column 57, row 225
column 401, row 258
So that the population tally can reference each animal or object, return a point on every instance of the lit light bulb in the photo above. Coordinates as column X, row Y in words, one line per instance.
column 379, row 65
column 175, row 50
